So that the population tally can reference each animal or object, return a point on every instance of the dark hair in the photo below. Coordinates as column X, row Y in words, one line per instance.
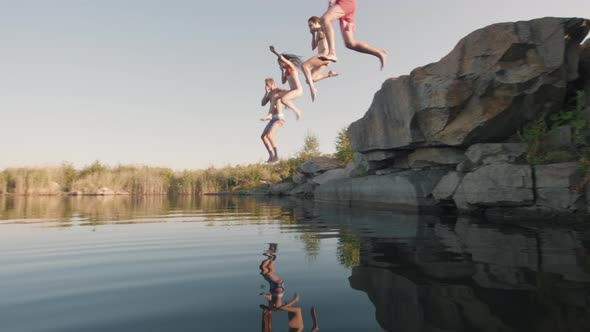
column 293, row 58
column 314, row 19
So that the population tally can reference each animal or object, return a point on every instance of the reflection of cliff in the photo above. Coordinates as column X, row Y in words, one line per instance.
column 403, row 305
column 470, row 277
column 426, row 273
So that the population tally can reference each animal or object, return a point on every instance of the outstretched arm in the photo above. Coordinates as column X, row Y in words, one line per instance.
column 282, row 58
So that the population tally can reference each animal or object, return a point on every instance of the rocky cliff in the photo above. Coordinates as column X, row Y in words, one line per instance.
column 498, row 125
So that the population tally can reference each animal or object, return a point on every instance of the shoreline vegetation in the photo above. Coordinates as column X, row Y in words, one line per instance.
column 100, row 179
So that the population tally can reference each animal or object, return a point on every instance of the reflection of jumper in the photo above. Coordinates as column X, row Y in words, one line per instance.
column 277, row 287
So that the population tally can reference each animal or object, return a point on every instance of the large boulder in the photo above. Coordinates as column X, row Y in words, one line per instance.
column 493, row 153
column 555, row 183
column 320, row 165
column 495, row 80
column 282, row 188
column 446, row 187
column 435, row 156
column 496, row 185
column 334, row 174
column 407, row 189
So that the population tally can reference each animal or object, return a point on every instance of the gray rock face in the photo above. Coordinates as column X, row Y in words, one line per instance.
column 493, row 153
column 557, row 198
column 299, row 178
column 559, row 138
column 495, row 79
column 358, row 167
column 334, row 174
column 282, row 188
column 319, row 165
column 435, row 156
column 379, row 155
column 404, row 189
column 446, row 187
column 497, row 185
column 563, row 175
column 554, row 185
column 303, row 190
column 585, row 68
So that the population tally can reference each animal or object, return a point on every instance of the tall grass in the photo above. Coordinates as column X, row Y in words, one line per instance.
column 98, row 179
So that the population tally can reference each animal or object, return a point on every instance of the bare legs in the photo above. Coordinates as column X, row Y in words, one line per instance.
column 332, row 15
column 361, row 47
column 326, row 21
column 267, row 144
column 287, row 97
column 312, row 69
column 268, row 138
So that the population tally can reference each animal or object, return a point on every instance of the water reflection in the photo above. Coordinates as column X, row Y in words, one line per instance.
column 421, row 273
column 275, row 297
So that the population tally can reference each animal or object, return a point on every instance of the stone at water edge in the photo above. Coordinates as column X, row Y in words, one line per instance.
column 555, row 183
column 282, row 188
column 446, row 187
column 404, row 189
column 334, row 174
column 299, row 178
column 496, row 185
column 319, row 165
column 495, row 80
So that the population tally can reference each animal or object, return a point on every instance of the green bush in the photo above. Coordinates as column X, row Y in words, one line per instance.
column 343, row 149
column 310, row 149
column 533, row 136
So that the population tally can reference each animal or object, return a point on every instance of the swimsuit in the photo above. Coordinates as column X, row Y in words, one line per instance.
column 280, row 118
column 289, row 71
column 276, row 287
column 345, row 10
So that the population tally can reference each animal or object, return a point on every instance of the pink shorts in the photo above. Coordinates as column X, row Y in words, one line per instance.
column 344, row 10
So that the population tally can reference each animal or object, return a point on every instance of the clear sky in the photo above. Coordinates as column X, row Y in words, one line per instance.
column 178, row 83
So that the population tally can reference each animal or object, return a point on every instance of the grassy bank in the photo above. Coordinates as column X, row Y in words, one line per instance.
column 140, row 180
column 98, row 179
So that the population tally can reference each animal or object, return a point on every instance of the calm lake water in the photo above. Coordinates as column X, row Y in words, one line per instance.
column 200, row 264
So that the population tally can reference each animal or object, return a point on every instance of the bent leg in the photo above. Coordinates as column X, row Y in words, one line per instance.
column 355, row 45
column 287, row 98
column 311, row 69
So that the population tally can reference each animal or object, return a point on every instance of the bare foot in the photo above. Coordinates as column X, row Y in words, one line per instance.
column 329, row 57
column 266, row 296
column 314, row 92
column 382, row 57
column 293, row 301
column 297, row 114
column 332, row 73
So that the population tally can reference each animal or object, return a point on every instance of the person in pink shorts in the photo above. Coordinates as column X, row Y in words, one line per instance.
column 344, row 11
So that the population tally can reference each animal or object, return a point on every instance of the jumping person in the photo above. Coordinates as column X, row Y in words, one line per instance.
column 314, row 67
column 275, row 118
column 289, row 64
column 344, row 11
